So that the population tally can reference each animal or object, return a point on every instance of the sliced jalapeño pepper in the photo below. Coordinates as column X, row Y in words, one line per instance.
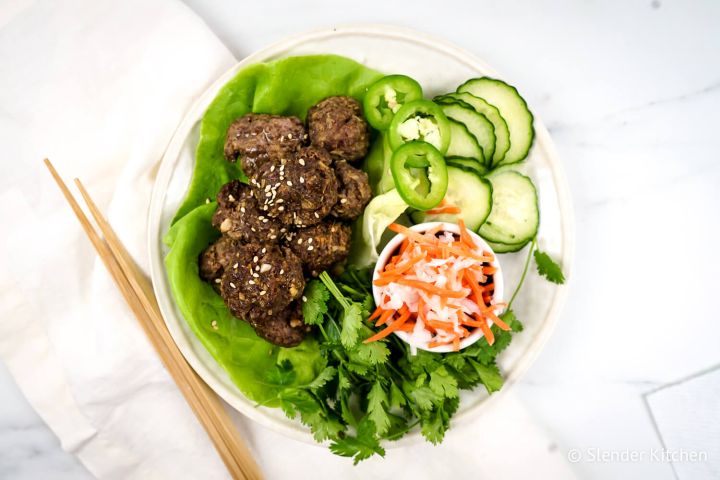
column 420, row 174
column 386, row 96
column 420, row 120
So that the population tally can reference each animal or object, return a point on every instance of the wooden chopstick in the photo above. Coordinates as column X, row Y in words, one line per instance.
column 143, row 289
column 137, row 292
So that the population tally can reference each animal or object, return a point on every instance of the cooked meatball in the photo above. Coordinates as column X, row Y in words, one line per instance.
column 216, row 258
column 286, row 329
column 337, row 125
column 253, row 138
column 321, row 246
column 239, row 217
column 262, row 282
column 299, row 191
column 354, row 191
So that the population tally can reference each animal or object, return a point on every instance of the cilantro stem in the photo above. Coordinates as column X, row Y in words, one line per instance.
column 359, row 282
column 402, row 432
column 333, row 289
column 352, row 291
column 322, row 330
column 397, row 372
column 525, row 270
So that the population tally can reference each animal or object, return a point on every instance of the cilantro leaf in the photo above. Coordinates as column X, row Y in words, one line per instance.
column 423, row 362
column 283, row 374
column 352, row 447
column 377, row 398
column 423, row 396
column 359, row 368
column 364, row 445
column 322, row 426
column 343, row 380
column 315, row 301
column 323, row 377
column 312, row 413
column 397, row 399
column 399, row 426
column 371, row 353
column 294, row 400
column 345, row 411
column 502, row 338
column 547, row 267
column 351, row 323
column 455, row 361
column 432, row 427
column 442, row 383
column 489, row 375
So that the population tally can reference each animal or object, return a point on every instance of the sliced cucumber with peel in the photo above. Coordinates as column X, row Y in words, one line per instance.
column 480, row 127
column 503, row 248
column 502, row 134
column 467, row 164
column 513, row 109
column 514, row 218
column 463, row 143
column 468, row 191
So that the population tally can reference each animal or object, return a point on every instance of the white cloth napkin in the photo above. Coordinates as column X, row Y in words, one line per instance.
column 98, row 87
column 686, row 415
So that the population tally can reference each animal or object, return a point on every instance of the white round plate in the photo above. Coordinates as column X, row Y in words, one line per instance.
column 439, row 67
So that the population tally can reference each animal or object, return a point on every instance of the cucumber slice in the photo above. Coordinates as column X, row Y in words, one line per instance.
column 467, row 164
column 515, row 217
column 502, row 134
column 480, row 127
column 503, row 248
column 470, row 192
column 462, row 143
column 513, row 109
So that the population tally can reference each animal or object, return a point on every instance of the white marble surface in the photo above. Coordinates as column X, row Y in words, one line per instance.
column 631, row 94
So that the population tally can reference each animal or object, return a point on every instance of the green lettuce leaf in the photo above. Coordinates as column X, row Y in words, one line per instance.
column 377, row 166
column 369, row 228
column 257, row 367
column 288, row 86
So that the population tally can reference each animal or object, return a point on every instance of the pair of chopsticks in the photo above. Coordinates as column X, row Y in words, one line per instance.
column 138, row 293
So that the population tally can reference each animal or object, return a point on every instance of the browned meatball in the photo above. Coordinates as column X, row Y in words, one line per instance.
column 253, row 138
column 354, row 191
column 216, row 258
column 239, row 217
column 299, row 191
column 286, row 329
column 321, row 246
column 262, row 282
column 337, row 125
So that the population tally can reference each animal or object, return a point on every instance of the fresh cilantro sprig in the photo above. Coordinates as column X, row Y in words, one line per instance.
column 374, row 392
column 547, row 267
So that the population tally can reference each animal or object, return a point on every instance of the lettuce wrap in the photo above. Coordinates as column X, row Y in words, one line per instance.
column 288, row 86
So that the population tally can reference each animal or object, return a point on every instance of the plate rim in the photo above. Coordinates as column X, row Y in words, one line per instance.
column 235, row 398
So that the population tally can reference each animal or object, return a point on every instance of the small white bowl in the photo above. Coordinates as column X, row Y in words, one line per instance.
column 392, row 247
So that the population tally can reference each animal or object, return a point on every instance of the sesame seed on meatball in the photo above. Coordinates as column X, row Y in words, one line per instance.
column 299, row 191
column 262, row 282
column 239, row 217
column 320, row 246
